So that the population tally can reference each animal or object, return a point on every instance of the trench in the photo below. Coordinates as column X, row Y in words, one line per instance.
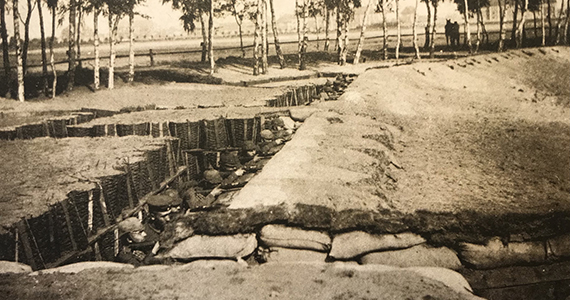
column 60, row 237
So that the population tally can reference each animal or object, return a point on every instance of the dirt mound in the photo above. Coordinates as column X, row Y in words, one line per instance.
column 474, row 135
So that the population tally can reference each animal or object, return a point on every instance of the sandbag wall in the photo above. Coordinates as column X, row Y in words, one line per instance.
column 72, row 230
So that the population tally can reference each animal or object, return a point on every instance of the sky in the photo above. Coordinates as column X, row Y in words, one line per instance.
column 163, row 19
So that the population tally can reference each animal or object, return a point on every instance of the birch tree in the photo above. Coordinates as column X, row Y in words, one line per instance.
column 5, row 49
column 502, row 12
column 415, row 32
column 278, row 51
column 264, row 37
column 43, row 49
column 360, row 45
column 399, row 31
column 71, row 47
column 382, row 7
column 428, row 27
column 52, row 5
column 19, row 64
column 31, row 6
column 435, row 4
column 256, row 39
column 327, row 26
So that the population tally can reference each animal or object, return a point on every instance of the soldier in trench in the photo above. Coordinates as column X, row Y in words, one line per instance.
column 269, row 145
column 138, row 246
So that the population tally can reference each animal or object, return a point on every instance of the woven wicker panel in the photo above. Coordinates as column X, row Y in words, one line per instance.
column 61, row 232
column 196, row 136
column 176, row 152
column 155, row 129
column 57, row 128
column 141, row 129
column 106, row 246
column 180, row 130
column 125, row 129
column 40, row 240
column 7, row 246
column 111, row 130
column 115, row 192
column 78, row 208
column 83, row 118
column 31, row 131
column 99, row 130
column 193, row 164
column 7, row 134
column 216, row 134
column 141, row 181
column 98, row 220
column 73, row 131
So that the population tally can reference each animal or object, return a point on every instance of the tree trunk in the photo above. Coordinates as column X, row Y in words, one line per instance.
column 399, row 38
column 97, row 63
column 239, row 21
column 317, row 30
column 131, row 77
column 304, row 45
column 384, row 31
column 282, row 63
column 19, row 65
column 542, row 29
column 520, row 27
column 549, row 18
column 204, row 36
column 210, row 38
column 299, row 41
column 415, row 32
column 256, row 38
column 558, row 23
column 264, row 48
column 428, row 25
column 339, row 17
column 71, row 48
column 502, row 10
column 478, row 41
column 78, row 42
column 327, row 24
column 5, row 49
column 362, row 30
column 26, row 45
column 535, row 25
column 566, row 38
column 43, row 45
column 338, row 32
column 467, row 28
column 485, row 39
column 345, row 33
column 51, row 54
column 112, row 32
column 515, row 21
column 434, row 30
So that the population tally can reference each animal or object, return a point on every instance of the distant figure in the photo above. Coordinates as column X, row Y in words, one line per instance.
column 448, row 30
column 455, row 34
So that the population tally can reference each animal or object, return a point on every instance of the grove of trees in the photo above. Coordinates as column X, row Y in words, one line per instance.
column 72, row 13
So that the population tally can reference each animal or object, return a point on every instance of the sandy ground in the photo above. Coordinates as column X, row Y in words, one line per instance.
column 40, row 172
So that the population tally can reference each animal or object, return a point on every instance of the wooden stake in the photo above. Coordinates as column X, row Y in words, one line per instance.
column 16, row 244
column 103, row 205
column 68, row 223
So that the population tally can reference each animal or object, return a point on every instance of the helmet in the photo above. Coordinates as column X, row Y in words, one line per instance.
column 229, row 161
column 249, row 146
column 212, row 176
column 267, row 134
column 163, row 202
column 131, row 224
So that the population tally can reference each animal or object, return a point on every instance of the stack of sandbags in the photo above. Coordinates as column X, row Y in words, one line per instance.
column 349, row 245
column 287, row 244
column 497, row 254
column 203, row 246
column 558, row 247
column 417, row 256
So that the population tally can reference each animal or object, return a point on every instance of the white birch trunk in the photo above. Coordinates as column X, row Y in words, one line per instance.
column 399, row 29
column 19, row 63
column 112, row 30
column 264, row 49
column 210, row 38
column 542, row 29
column 467, row 27
column 520, row 27
column 51, row 54
column 97, row 63
column 362, row 31
column 415, row 31
column 131, row 77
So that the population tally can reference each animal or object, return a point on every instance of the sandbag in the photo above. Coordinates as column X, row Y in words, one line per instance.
column 290, row 237
column 495, row 254
column 559, row 246
column 203, row 246
column 13, row 267
column 417, row 256
column 300, row 114
column 78, row 267
column 289, row 123
column 278, row 254
column 351, row 244
column 449, row 277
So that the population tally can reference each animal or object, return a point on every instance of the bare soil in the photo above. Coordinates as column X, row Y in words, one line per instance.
column 40, row 172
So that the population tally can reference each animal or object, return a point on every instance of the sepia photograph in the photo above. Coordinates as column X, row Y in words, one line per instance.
column 287, row 149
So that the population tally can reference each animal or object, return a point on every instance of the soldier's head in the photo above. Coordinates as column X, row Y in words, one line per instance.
column 267, row 135
column 164, row 208
column 134, row 228
column 212, row 177
column 278, row 124
column 249, row 149
column 229, row 161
